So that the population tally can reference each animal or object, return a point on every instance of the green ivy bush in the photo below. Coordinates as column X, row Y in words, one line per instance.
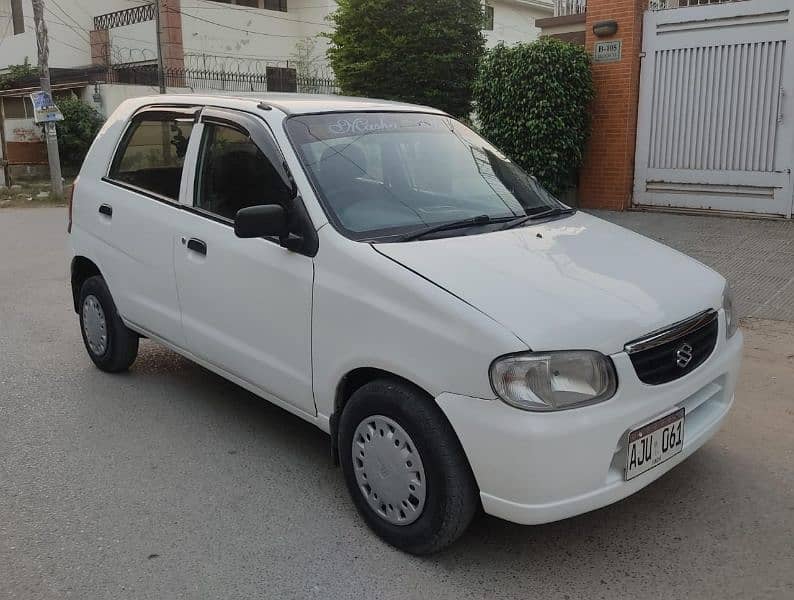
column 420, row 52
column 81, row 122
column 532, row 101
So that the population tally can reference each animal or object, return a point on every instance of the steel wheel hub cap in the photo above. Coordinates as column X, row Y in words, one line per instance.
column 95, row 326
column 389, row 470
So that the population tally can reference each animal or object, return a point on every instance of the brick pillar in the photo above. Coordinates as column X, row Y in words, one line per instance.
column 607, row 176
column 171, row 35
column 100, row 47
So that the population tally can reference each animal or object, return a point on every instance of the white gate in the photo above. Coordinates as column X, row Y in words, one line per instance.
column 716, row 113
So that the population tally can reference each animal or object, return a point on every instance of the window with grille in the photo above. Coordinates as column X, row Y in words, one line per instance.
column 18, row 108
column 280, row 5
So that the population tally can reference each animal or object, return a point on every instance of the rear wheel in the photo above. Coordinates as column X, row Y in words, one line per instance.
column 404, row 467
column 110, row 344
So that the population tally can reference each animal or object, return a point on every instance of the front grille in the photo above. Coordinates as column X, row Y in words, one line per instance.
column 667, row 355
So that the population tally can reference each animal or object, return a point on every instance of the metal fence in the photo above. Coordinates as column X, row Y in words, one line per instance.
column 576, row 7
column 274, row 79
column 563, row 8
column 665, row 4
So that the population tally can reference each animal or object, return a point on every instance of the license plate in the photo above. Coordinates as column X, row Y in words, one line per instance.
column 654, row 443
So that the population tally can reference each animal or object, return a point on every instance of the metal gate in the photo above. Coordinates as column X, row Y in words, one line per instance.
column 716, row 113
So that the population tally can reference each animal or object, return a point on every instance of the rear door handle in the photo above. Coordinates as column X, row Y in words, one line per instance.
column 196, row 245
column 106, row 209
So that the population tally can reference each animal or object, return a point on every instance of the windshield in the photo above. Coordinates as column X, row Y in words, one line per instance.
column 385, row 175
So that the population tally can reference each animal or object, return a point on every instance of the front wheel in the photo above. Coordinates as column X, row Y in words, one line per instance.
column 110, row 344
column 405, row 468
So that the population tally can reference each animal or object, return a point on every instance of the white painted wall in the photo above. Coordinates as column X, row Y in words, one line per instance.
column 133, row 43
column 68, row 31
column 22, row 130
column 215, row 34
column 113, row 94
column 514, row 21
column 240, row 36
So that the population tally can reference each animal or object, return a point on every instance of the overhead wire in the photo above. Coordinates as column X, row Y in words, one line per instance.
column 248, row 31
column 255, row 11
column 71, row 18
column 55, row 39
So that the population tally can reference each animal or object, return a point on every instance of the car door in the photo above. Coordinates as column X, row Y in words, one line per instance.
column 136, row 207
column 246, row 303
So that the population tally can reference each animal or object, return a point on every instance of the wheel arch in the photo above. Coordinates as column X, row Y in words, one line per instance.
column 347, row 386
column 82, row 268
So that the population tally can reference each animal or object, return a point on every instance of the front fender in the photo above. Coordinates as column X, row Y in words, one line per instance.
column 369, row 311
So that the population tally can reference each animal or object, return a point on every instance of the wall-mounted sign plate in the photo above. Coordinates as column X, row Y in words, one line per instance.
column 605, row 52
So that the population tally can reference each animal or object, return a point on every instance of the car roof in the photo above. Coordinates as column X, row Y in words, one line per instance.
column 291, row 104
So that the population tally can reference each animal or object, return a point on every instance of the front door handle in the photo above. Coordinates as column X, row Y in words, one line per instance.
column 196, row 245
column 106, row 209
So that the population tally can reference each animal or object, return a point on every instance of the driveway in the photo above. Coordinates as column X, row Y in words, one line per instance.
column 755, row 255
column 169, row 482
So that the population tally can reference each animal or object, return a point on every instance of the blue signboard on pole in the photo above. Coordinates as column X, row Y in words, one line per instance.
column 44, row 108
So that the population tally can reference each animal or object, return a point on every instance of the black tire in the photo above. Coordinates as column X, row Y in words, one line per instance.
column 452, row 497
column 121, row 347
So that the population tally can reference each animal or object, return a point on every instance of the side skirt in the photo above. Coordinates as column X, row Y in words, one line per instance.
column 319, row 421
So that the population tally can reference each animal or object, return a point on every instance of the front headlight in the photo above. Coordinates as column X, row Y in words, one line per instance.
column 546, row 381
column 731, row 318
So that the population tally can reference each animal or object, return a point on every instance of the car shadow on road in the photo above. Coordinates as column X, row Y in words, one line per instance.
column 672, row 520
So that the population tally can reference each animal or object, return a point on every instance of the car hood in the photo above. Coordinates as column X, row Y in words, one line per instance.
column 573, row 283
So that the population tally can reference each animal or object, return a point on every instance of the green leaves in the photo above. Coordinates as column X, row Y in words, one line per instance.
column 532, row 101
column 78, row 129
column 17, row 74
column 420, row 52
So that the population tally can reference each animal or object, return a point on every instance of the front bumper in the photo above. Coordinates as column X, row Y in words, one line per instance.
column 535, row 468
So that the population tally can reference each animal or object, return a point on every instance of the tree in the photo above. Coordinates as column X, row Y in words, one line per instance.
column 305, row 60
column 78, row 129
column 533, row 101
column 18, row 74
column 425, row 52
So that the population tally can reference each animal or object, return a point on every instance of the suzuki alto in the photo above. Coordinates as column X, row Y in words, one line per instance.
column 380, row 270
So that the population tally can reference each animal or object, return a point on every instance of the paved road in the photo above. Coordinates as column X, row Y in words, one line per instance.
column 169, row 482
column 757, row 256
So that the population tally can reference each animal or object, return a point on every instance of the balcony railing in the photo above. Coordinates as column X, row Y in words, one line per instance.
column 564, row 8
column 665, row 4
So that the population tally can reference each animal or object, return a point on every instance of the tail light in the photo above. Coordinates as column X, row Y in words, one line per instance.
column 69, row 201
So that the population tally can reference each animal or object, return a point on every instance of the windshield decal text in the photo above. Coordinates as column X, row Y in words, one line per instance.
column 346, row 126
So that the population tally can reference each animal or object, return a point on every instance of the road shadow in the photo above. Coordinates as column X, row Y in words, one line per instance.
column 683, row 519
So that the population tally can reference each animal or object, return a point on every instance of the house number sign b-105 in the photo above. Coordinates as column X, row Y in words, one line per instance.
column 610, row 51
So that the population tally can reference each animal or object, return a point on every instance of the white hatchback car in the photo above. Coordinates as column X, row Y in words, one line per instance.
column 381, row 271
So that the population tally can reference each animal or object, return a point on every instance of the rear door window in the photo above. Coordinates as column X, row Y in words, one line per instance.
column 152, row 154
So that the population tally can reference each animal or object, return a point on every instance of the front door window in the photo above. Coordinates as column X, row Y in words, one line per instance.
column 233, row 173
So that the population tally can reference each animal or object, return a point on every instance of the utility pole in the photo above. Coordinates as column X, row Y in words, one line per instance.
column 160, row 69
column 50, row 133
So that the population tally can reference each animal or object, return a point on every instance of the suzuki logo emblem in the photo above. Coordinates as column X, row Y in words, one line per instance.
column 683, row 356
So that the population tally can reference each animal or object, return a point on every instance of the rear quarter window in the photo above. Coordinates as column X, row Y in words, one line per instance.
column 151, row 154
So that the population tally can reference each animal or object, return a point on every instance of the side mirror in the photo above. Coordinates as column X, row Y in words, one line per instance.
column 261, row 221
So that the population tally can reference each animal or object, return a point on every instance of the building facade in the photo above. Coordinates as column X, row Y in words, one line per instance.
column 234, row 35
column 224, row 45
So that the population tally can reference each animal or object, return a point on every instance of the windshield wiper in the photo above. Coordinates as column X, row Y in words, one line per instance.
column 552, row 212
column 469, row 222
